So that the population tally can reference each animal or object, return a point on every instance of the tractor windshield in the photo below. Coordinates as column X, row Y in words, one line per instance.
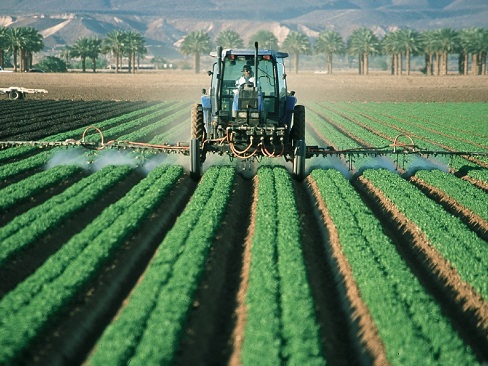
column 233, row 76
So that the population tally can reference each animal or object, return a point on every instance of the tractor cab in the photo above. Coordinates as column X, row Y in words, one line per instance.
column 248, row 88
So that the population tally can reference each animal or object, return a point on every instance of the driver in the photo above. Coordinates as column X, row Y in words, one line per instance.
column 247, row 76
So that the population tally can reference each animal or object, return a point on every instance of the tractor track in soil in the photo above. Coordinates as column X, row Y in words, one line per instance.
column 73, row 333
column 459, row 302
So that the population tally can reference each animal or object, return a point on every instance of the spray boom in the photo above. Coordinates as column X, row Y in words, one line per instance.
column 397, row 148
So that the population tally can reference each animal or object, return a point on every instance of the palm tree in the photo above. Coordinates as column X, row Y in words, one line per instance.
column 390, row 45
column 229, row 39
column 363, row 42
column 448, row 41
column 409, row 44
column 329, row 42
column 3, row 45
column 466, row 38
column 113, row 43
column 133, row 45
column 33, row 43
column 23, row 40
column 196, row 43
column 398, row 43
column 81, row 49
column 94, row 49
column 429, row 44
column 265, row 39
column 297, row 43
column 479, row 49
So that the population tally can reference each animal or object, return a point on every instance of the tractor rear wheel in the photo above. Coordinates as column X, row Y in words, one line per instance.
column 197, row 123
column 299, row 160
column 298, row 128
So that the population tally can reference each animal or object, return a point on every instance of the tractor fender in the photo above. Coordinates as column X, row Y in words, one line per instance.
column 291, row 100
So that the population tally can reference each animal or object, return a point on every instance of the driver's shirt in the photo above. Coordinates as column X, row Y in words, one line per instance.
column 242, row 80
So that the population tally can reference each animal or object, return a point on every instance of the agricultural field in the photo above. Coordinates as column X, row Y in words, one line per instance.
column 114, row 257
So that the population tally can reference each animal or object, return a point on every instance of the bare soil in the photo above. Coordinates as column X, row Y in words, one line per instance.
column 309, row 86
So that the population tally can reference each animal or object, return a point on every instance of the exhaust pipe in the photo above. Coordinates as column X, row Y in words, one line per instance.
column 255, row 64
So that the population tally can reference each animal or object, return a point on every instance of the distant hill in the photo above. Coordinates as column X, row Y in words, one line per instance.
column 164, row 23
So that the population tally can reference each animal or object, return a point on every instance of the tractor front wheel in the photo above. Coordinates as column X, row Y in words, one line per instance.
column 299, row 160
column 195, row 159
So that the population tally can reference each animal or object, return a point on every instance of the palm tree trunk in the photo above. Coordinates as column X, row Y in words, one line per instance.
column 329, row 63
column 365, row 69
column 445, row 62
column 400, row 63
column 22, row 60
column 407, row 62
column 196, row 65
column 295, row 60
column 474, row 64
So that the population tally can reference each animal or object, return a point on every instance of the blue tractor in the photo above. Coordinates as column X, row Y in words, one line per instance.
column 251, row 117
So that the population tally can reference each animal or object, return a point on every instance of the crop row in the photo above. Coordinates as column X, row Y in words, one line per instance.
column 25, row 229
column 33, row 304
column 280, row 310
column 459, row 120
column 149, row 328
column 410, row 323
column 466, row 252
column 461, row 191
column 63, row 119
column 21, row 191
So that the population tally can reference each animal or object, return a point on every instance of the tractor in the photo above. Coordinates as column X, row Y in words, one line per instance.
column 258, row 118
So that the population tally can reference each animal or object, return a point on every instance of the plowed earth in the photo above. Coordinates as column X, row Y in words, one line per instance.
column 214, row 329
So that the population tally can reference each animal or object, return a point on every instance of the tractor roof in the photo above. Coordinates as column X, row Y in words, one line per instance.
column 249, row 52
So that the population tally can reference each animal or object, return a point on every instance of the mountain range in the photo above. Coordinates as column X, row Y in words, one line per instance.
column 164, row 23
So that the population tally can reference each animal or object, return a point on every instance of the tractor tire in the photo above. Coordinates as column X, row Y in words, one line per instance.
column 195, row 159
column 298, row 128
column 197, row 123
column 299, row 160
column 14, row 95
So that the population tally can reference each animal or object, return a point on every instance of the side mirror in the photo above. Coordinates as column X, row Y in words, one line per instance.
column 209, row 73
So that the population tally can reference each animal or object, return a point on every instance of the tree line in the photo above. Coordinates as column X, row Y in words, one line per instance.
column 470, row 45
